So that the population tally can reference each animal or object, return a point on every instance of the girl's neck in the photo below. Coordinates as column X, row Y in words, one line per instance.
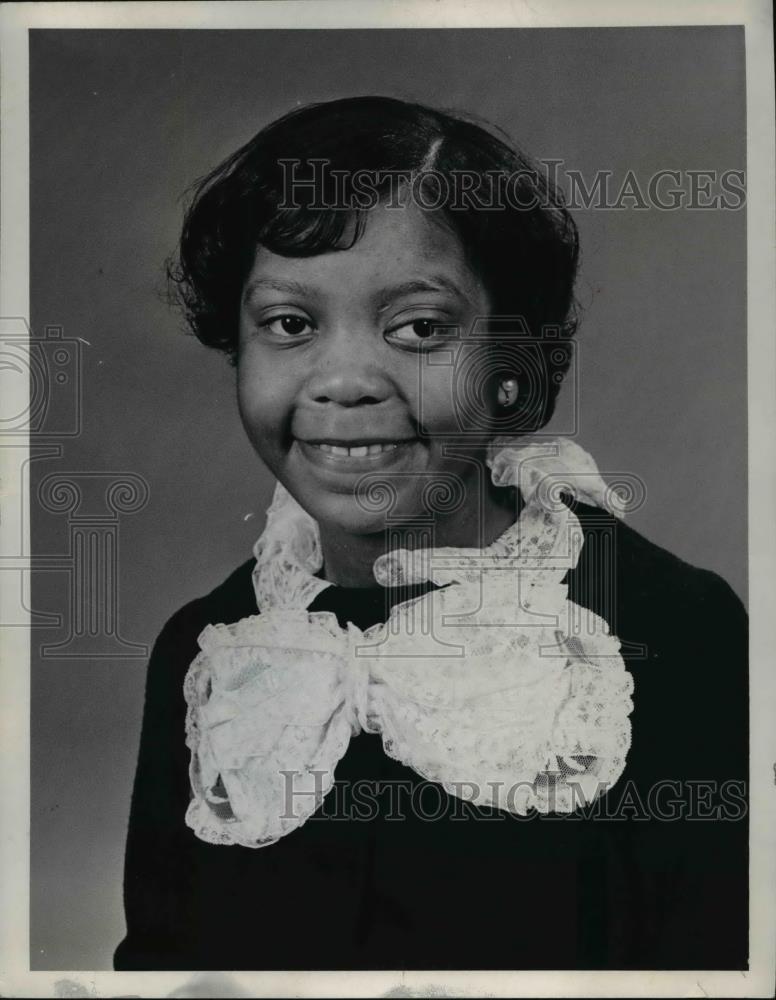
column 348, row 559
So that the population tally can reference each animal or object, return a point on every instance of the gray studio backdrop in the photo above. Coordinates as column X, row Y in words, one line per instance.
column 121, row 123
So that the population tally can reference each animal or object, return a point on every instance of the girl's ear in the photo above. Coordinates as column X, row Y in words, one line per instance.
column 507, row 392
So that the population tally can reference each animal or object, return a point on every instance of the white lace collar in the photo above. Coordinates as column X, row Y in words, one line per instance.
column 531, row 714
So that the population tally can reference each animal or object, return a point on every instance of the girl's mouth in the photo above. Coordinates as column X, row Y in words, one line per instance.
column 356, row 450
column 355, row 456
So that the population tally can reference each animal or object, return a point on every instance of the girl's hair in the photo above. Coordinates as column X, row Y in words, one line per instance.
column 284, row 190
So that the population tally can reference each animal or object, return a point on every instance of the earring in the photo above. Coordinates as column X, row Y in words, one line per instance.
column 507, row 392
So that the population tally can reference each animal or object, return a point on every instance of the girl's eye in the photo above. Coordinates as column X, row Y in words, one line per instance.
column 417, row 331
column 288, row 325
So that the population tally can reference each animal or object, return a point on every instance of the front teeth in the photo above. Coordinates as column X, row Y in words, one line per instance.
column 360, row 451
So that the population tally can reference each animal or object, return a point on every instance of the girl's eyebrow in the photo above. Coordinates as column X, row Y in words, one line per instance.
column 437, row 283
column 277, row 285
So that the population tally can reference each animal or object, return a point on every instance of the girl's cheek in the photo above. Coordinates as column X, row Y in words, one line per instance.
column 453, row 401
column 438, row 406
column 266, row 400
column 254, row 399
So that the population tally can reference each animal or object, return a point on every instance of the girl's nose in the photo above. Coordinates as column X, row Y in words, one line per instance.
column 349, row 377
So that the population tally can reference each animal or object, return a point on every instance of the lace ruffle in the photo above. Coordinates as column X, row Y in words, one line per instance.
column 484, row 687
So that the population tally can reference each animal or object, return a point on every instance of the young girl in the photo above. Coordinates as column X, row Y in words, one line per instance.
column 455, row 713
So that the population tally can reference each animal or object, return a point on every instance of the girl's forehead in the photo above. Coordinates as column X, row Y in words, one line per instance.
column 399, row 244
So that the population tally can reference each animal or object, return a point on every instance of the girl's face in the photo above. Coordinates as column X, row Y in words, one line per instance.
column 336, row 372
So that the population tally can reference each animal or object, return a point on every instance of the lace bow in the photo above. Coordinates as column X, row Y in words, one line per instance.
column 488, row 686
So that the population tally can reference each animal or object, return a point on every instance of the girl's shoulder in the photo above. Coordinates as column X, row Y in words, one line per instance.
column 684, row 637
column 230, row 601
column 619, row 565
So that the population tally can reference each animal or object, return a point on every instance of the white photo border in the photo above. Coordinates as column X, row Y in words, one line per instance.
column 16, row 19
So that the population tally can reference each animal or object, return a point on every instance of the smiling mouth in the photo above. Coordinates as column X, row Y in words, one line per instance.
column 357, row 449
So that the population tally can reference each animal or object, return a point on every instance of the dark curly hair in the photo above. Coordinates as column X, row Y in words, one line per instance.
column 523, row 244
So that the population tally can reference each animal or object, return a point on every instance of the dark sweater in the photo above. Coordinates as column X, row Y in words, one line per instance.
column 620, row 888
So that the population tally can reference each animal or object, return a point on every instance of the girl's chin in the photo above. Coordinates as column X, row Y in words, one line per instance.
column 345, row 514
